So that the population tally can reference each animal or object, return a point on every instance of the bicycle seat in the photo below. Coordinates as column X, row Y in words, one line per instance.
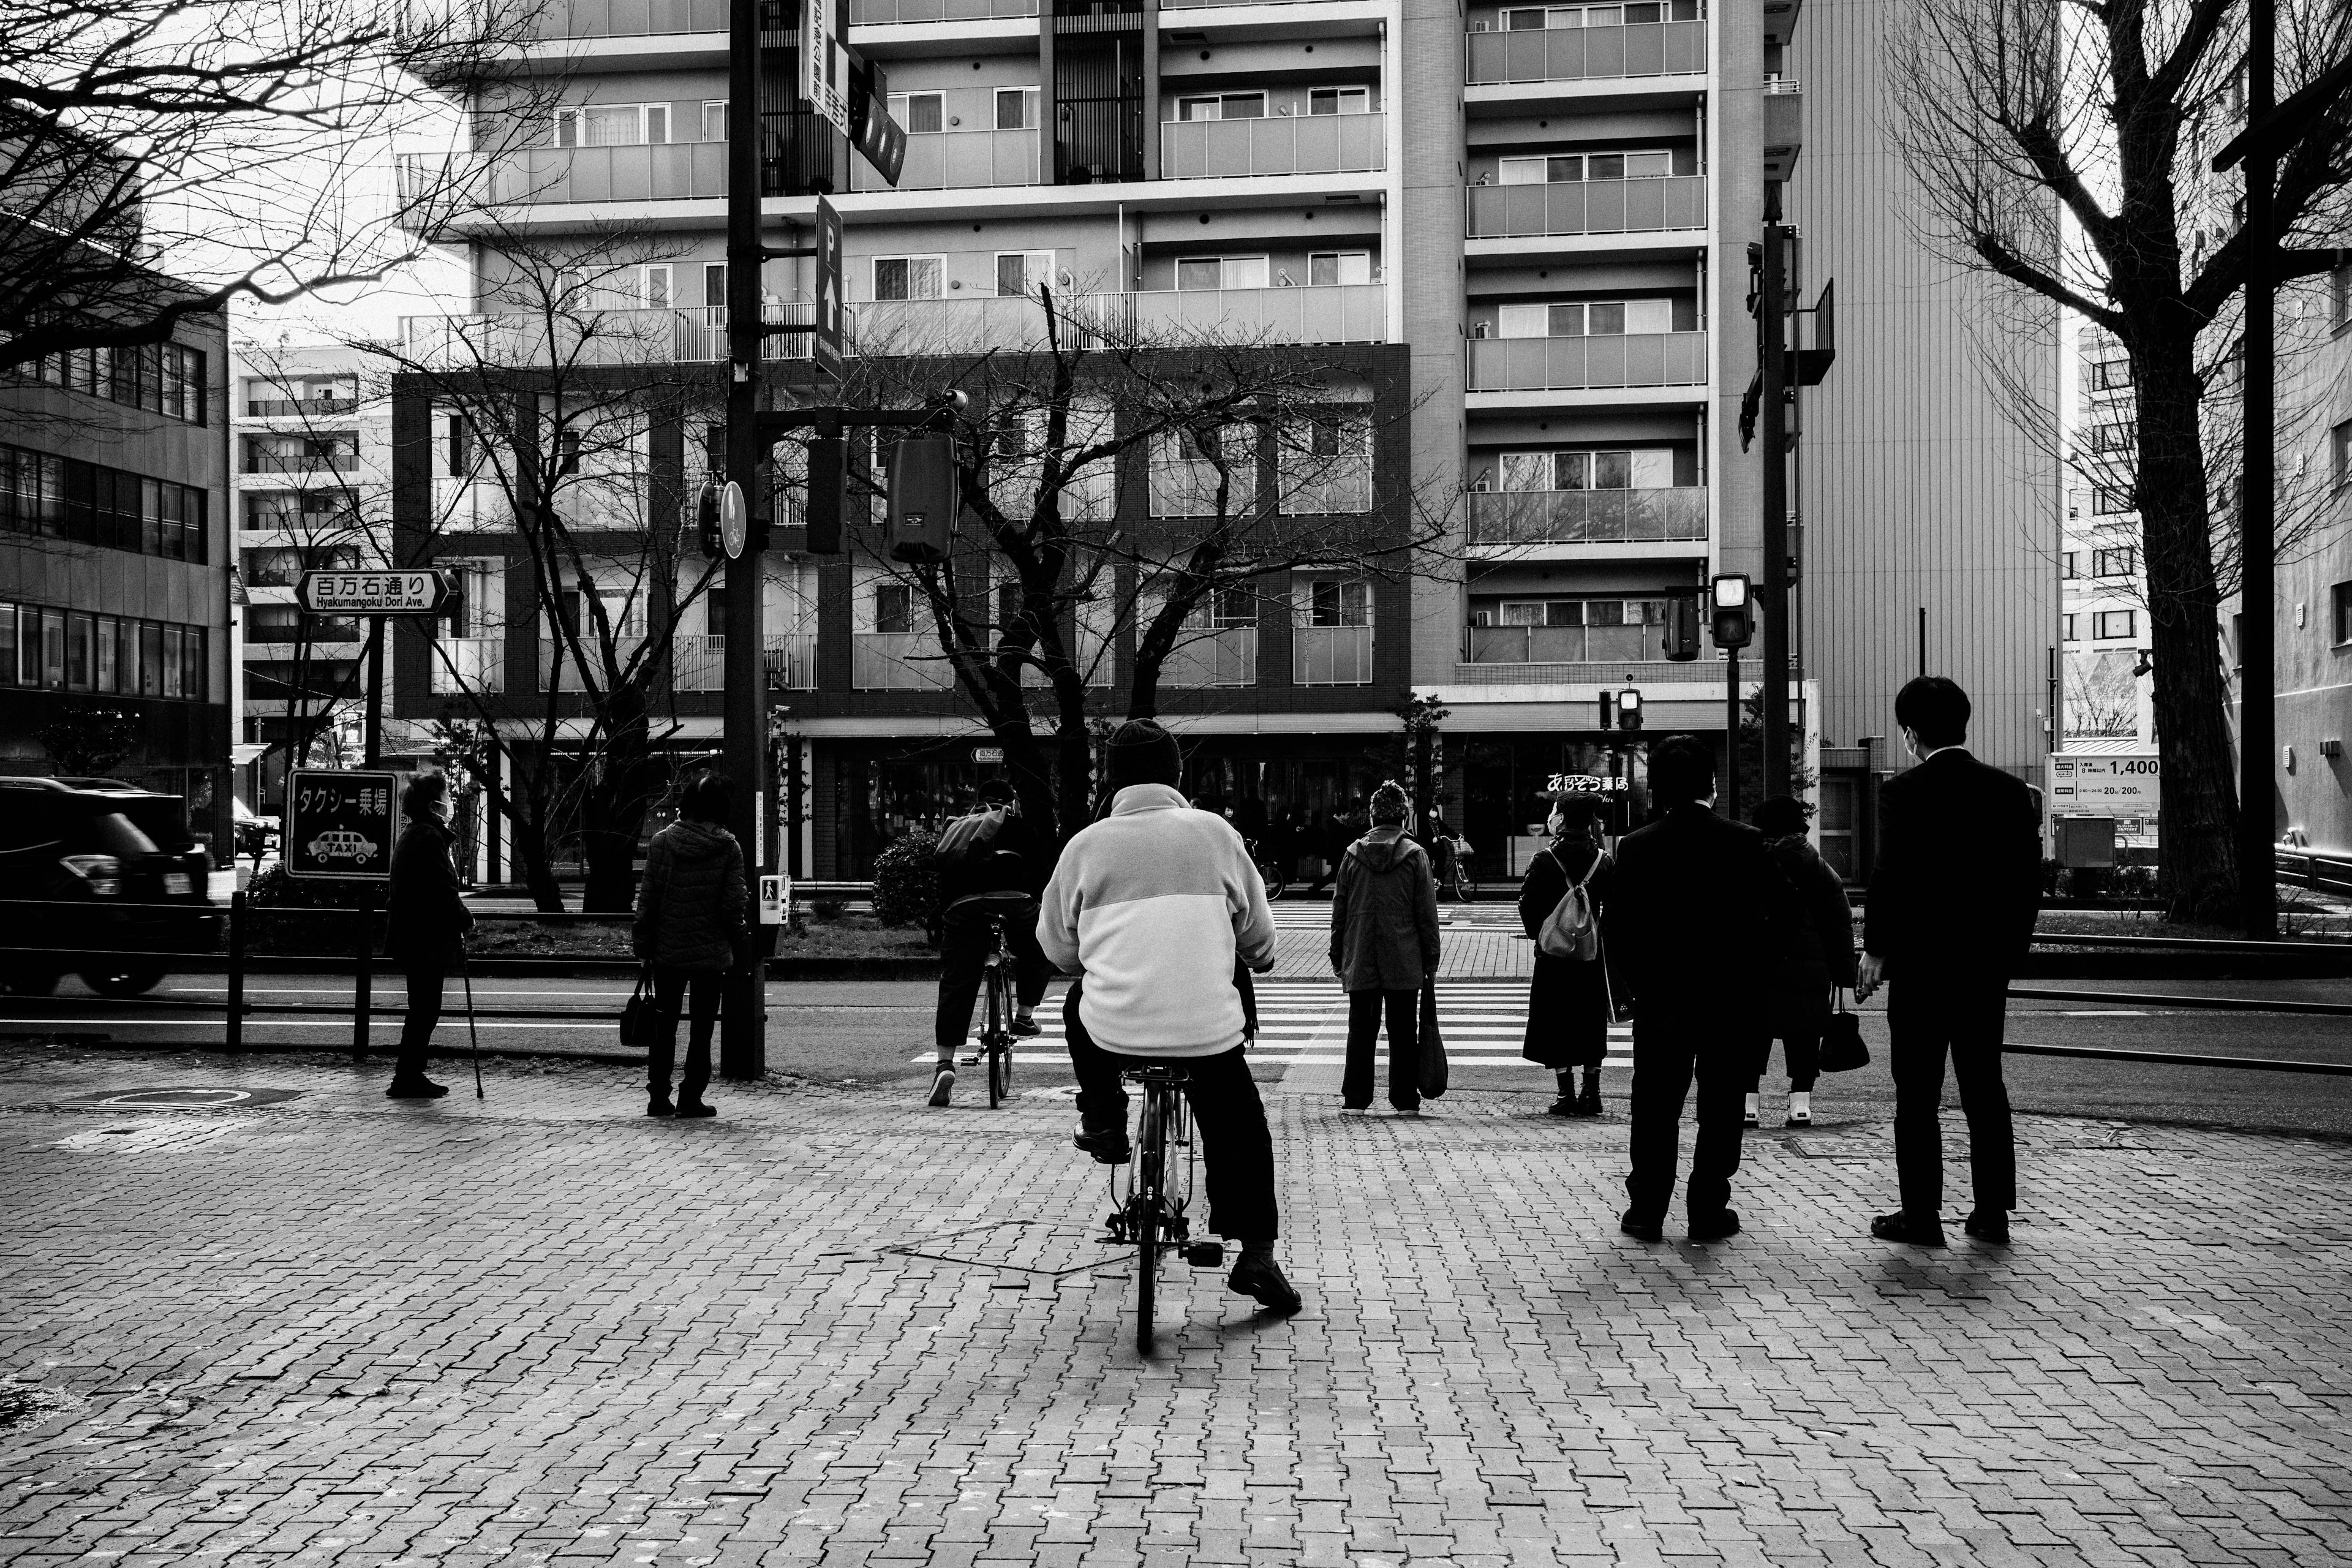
column 1155, row 1075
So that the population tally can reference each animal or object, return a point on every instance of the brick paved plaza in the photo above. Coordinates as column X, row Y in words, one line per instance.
column 333, row 1328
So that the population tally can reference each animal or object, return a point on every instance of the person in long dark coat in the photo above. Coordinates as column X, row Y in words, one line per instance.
column 1569, row 1001
column 1384, row 944
column 425, row 922
column 1820, row 958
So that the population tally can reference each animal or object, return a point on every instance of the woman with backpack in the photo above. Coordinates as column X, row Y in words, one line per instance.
column 1383, row 945
column 1820, row 958
column 1569, row 1001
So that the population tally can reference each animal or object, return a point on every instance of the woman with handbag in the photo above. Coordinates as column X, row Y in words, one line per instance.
column 1819, row 961
column 1568, row 1000
column 691, row 929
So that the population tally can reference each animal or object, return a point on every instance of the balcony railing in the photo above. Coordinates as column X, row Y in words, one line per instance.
column 1581, row 54
column 1588, row 206
column 1330, row 314
column 278, row 407
column 678, row 170
column 1587, row 517
column 699, row 663
column 468, row 664
column 1225, row 657
column 1646, row 671
column 883, row 13
column 1331, row 656
column 1279, row 145
column 627, row 19
column 1555, row 365
column 1563, row 645
column 592, row 337
column 1335, row 487
column 897, row 661
column 299, row 462
column 958, row 160
column 552, row 654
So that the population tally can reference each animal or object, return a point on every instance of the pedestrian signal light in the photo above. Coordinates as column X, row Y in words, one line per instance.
column 1629, row 710
column 1734, row 610
column 922, row 498
column 1681, row 639
column 1608, row 709
column 706, row 523
column 826, row 463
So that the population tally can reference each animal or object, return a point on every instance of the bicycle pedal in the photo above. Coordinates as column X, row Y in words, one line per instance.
column 971, row 1061
column 1205, row 1254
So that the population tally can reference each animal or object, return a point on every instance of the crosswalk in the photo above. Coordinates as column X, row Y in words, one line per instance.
column 1304, row 1022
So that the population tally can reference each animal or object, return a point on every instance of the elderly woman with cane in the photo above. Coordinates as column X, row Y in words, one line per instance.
column 426, row 920
column 692, row 928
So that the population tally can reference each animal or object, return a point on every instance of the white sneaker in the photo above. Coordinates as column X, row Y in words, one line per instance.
column 1754, row 1107
column 942, row 1086
column 1800, row 1108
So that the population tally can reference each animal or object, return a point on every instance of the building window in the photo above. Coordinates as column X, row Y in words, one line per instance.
column 654, row 287
column 161, row 378
column 1223, row 106
column 2107, row 501
column 2339, row 454
column 1222, row 272
column 2341, row 613
column 2114, row 563
column 919, row 113
column 714, row 120
column 1640, row 468
column 2070, row 564
column 1597, row 319
column 1016, row 109
column 2109, row 625
column 1328, row 266
column 908, row 277
column 2339, row 297
column 62, row 498
column 1338, row 601
column 2066, row 628
column 1519, row 18
column 2111, row 375
column 894, row 608
column 2109, row 438
column 619, row 125
column 1340, row 101
column 66, row 650
column 1024, row 272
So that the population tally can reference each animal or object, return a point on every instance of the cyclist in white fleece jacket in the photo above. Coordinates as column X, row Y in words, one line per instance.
column 1152, row 904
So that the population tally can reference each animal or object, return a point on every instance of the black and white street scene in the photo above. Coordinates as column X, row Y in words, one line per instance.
column 1175, row 784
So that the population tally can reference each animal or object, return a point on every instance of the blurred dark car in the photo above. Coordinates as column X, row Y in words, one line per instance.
column 104, row 874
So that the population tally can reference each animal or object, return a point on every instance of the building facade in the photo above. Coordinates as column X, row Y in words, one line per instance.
column 2314, row 808
column 114, row 569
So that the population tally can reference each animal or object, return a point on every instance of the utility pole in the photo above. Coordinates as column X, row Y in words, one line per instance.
column 1772, row 342
column 2258, row 548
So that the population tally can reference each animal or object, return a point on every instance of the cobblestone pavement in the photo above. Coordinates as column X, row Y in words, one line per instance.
column 832, row 1327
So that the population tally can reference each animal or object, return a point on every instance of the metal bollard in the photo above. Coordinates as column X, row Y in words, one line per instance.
column 363, row 992
column 234, row 1039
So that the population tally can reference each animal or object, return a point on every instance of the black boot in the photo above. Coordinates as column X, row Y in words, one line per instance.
column 1589, row 1102
column 1566, row 1104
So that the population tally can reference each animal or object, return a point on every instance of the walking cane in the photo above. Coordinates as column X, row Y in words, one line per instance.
column 465, row 968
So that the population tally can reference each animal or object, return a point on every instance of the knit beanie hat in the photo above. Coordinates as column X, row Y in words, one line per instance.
column 1389, row 804
column 1140, row 752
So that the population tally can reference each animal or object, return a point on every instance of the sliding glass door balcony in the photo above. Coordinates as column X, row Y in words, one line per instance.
column 684, row 170
column 1588, row 206
column 1322, row 313
column 1331, row 656
column 1588, row 517
column 1550, row 364
column 1280, row 144
column 698, row 662
column 461, row 665
column 1225, row 657
column 1585, row 54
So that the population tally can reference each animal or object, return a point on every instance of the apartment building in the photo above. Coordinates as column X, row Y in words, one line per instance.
column 2104, row 637
column 2315, row 578
column 114, row 563
column 311, row 486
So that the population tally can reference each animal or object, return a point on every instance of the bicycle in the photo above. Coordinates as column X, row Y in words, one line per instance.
column 1466, row 881
column 1269, row 871
column 996, row 1034
column 1151, row 1215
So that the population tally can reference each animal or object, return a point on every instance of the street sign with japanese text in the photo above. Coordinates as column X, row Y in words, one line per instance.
column 1586, row 784
column 340, row 825
column 824, row 76
column 412, row 592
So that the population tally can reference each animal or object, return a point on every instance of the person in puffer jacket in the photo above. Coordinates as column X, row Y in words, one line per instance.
column 1383, row 945
column 1152, row 904
column 692, row 918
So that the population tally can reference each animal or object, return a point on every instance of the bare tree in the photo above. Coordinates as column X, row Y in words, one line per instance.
column 160, row 159
column 1130, row 487
column 2062, row 148
column 545, row 406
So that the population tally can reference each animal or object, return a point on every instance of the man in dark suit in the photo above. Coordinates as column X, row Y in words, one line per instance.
column 1950, row 914
column 1692, row 923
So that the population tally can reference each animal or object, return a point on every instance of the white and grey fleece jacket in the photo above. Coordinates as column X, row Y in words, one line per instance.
column 1153, row 903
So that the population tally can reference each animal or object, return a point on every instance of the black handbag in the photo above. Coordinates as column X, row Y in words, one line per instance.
column 640, row 1019
column 1841, row 1046
column 1433, row 1047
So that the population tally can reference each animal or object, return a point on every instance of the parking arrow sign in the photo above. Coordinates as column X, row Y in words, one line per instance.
column 418, row 592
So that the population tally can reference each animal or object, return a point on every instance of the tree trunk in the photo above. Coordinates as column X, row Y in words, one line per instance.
column 2198, row 876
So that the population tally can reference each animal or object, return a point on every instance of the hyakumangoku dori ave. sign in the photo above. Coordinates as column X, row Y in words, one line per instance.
column 421, row 592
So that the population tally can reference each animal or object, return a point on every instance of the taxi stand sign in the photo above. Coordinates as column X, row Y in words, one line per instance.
column 340, row 825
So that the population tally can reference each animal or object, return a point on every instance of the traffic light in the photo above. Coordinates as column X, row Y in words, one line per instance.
column 1734, row 610
column 824, row 482
column 1608, row 709
column 922, row 498
column 1681, row 641
column 1629, row 710
column 705, row 522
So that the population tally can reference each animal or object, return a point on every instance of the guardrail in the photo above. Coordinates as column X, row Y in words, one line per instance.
column 2320, row 873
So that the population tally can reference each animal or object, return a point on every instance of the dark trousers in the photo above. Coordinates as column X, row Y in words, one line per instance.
column 1235, row 1143
column 1801, row 1053
column 417, row 1029
column 1668, row 1053
column 964, row 946
column 1928, row 1017
column 700, row 988
column 1364, row 1008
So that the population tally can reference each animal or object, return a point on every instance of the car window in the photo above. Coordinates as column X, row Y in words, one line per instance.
column 162, row 817
column 28, row 819
column 112, row 833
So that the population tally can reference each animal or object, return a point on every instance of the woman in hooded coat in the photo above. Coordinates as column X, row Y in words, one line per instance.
column 1383, row 945
column 1569, row 1002
column 691, row 922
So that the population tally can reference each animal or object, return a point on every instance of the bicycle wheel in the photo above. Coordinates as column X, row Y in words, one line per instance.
column 1000, row 1038
column 1148, row 1184
column 1271, row 874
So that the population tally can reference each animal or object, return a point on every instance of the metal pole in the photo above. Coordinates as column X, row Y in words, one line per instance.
column 234, row 1038
column 1772, row 340
column 743, row 1023
column 363, row 967
column 1731, row 733
column 374, row 720
column 2257, row 677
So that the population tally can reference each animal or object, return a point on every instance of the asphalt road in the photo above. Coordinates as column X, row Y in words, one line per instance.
column 879, row 1032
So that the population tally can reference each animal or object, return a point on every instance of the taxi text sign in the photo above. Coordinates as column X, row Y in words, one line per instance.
column 2099, row 785
column 413, row 592
column 340, row 825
